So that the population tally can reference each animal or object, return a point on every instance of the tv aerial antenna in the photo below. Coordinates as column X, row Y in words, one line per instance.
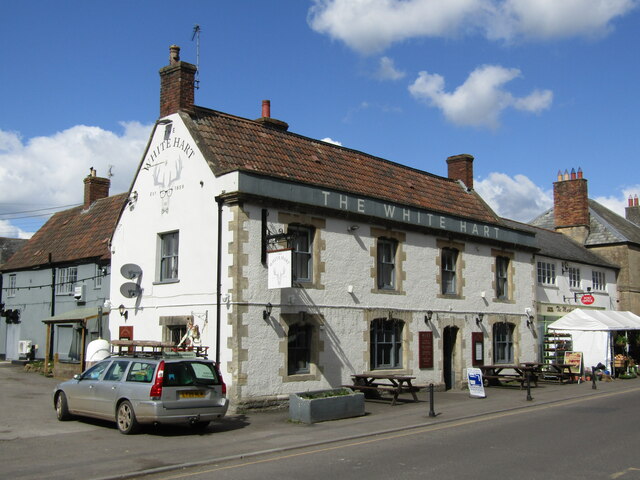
column 196, row 36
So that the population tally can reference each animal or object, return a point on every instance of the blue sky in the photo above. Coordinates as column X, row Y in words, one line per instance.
column 528, row 87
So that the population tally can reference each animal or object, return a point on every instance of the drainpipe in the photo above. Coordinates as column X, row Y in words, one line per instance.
column 53, row 306
column 220, row 203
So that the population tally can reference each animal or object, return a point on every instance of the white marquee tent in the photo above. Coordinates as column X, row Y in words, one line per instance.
column 591, row 332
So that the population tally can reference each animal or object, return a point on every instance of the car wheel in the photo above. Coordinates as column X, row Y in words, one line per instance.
column 200, row 425
column 62, row 410
column 126, row 418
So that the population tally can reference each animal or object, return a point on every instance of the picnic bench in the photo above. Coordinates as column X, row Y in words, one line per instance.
column 552, row 372
column 501, row 374
column 373, row 385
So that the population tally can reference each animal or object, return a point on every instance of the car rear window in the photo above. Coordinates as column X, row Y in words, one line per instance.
column 180, row 374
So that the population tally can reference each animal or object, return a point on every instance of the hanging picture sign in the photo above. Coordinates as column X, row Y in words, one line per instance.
column 279, row 268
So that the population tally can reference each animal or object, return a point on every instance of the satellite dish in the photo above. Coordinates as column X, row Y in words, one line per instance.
column 130, row 271
column 130, row 290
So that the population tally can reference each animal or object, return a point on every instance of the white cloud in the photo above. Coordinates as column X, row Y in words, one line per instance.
column 479, row 101
column 517, row 198
column 45, row 172
column 370, row 26
column 387, row 70
column 330, row 140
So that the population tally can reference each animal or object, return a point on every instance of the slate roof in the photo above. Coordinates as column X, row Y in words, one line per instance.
column 605, row 226
column 556, row 245
column 71, row 236
column 9, row 246
column 231, row 143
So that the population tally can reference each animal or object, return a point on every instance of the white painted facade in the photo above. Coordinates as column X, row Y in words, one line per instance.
column 175, row 191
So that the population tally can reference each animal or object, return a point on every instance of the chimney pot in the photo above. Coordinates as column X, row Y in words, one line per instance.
column 559, row 175
column 630, row 201
column 566, row 175
column 635, row 201
column 266, row 108
column 573, row 174
column 174, row 54
column 579, row 172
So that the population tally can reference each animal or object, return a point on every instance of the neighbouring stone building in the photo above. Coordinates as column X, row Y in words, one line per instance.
column 611, row 236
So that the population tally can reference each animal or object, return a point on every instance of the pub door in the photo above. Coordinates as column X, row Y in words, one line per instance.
column 448, row 351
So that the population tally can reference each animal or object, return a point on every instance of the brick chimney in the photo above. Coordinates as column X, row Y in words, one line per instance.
column 461, row 168
column 632, row 212
column 571, row 205
column 177, row 81
column 95, row 188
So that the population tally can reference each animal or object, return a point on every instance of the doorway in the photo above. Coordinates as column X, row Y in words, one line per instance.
column 449, row 335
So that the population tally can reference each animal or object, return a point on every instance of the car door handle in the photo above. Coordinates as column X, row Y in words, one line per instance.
column 114, row 387
column 90, row 387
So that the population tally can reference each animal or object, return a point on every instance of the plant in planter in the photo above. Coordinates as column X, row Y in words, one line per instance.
column 322, row 405
column 621, row 341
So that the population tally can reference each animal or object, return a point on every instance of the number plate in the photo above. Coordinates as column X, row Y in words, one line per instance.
column 191, row 394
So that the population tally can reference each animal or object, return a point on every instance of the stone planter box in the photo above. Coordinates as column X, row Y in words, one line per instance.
column 312, row 410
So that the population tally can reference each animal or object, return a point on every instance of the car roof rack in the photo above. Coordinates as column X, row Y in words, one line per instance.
column 150, row 348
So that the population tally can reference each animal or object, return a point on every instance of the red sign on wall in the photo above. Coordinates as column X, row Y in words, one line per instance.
column 425, row 349
column 587, row 299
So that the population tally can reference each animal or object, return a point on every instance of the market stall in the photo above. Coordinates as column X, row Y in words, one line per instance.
column 593, row 332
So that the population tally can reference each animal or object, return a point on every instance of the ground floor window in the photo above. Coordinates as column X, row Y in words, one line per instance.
column 386, row 343
column 503, row 342
column 299, row 349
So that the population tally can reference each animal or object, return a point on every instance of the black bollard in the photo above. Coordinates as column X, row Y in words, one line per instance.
column 593, row 378
column 529, row 397
column 432, row 412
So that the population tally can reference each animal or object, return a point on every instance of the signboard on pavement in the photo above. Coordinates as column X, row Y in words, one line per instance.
column 474, row 379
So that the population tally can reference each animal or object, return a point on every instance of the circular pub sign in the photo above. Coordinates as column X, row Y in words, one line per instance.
column 587, row 299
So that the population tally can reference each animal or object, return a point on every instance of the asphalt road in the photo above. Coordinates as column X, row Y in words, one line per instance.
column 588, row 438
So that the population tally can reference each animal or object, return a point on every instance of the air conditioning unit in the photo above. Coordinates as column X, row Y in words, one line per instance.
column 23, row 347
column 79, row 293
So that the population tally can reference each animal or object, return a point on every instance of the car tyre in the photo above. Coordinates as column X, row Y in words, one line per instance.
column 126, row 418
column 62, row 409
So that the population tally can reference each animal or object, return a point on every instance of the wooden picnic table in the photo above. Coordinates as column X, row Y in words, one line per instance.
column 560, row 372
column 495, row 375
column 374, row 384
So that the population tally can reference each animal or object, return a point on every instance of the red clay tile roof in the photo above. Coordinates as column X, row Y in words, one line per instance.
column 72, row 235
column 231, row 143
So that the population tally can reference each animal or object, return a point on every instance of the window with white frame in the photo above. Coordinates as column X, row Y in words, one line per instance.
column 574, row 277
column 546, row 273
column 168, row 256
column 502, row 277
column 11, row 291
column 386, row 271
column 97, row 276
column 503, row 342
column 449, row 261
column 598, row 281
column 66, row 279
column 302, row 255
column 386, row 343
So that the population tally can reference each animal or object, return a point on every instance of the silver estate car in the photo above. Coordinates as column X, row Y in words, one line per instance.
column 145, row 390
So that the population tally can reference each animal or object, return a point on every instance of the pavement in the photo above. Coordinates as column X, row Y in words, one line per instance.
column 259, row 433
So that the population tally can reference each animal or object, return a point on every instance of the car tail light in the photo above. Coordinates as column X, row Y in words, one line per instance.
column 223, row 386
column 156, row 389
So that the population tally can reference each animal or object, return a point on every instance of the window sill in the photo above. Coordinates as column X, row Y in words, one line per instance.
column 450, row 296
column 387, row 291
column 504, row 300
column 165, row 282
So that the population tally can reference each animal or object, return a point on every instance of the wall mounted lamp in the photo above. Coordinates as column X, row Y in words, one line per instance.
column 123, row 312
column 527, row 312
column 266, row 313
column 427, row 317
column 479, row 318
column 352, row 228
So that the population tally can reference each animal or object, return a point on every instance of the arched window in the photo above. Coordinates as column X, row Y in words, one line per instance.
column 386, row 343
column 503, row 342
